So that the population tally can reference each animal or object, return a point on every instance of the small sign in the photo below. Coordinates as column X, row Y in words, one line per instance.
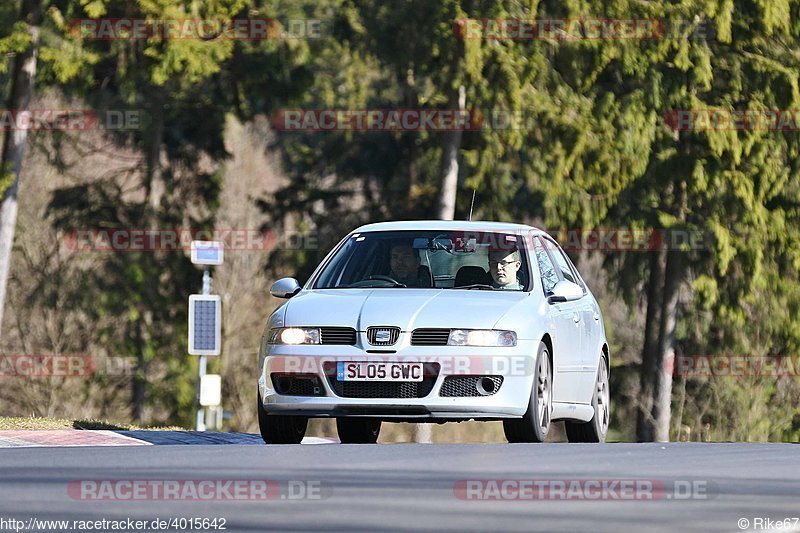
column 210, row 390
column 207, row 252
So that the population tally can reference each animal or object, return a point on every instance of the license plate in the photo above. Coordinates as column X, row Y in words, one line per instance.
column 368, row 371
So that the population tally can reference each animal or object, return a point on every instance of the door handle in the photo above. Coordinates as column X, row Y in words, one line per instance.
column 597, row 317
column 576, row 317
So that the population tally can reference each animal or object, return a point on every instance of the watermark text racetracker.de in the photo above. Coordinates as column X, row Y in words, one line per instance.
column 582, row 29
column 604, row 239
column 180, row 239
column 196, row 490
column 584, row 489
column 71, row 119
column 691, row 366
column 207, row 29
column 631, row 239
column 41, row 366
column 370, row 120
column 766, row 120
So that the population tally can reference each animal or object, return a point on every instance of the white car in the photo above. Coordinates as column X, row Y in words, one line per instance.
column 436, row 321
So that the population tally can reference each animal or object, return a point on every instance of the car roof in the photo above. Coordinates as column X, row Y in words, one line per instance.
column 458, row 225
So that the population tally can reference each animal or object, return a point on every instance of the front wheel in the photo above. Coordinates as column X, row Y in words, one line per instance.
column 596, row 429
column 358, row 430
column 280, row 429
column 535, row 423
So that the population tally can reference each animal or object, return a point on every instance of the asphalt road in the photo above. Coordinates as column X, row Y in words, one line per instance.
column 410, row 487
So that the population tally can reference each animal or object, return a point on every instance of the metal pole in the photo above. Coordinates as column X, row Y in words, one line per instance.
column 201, row 414
column 201, row 371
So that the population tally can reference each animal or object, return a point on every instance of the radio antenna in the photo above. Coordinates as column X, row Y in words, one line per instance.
column 471, row 205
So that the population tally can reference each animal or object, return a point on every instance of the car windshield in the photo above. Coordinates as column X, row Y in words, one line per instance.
column 427, row 259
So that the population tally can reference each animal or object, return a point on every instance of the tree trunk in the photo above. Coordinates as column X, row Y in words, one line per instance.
column 139, row 381
column 658, row 356
column 409, row 145
column 446, row 208
column 653, row 419
column 662, row 395
column 14, row 145
column 448, row 188
column 647, row 375
column 154, row 187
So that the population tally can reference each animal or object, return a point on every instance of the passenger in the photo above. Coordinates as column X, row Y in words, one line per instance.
column 503, row 265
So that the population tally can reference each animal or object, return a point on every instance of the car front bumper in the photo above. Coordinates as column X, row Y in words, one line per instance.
column 514, row 365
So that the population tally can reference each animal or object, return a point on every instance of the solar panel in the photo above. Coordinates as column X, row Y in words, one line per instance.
column 205, row 324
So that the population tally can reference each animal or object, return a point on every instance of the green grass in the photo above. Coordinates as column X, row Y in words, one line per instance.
column 39, row 423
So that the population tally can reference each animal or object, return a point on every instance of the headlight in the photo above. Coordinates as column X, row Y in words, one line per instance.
column 294, row 336
column 481, row 337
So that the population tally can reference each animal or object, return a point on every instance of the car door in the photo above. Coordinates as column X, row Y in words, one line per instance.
column 565, row 319
column 588, row 324
column 590, row 313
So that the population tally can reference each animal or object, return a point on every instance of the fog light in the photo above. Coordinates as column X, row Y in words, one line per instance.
column 485, row 386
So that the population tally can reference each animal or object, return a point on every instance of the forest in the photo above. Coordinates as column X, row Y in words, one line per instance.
column 659, row 142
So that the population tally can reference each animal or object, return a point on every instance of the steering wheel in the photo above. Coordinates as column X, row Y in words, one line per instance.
column 381, row 277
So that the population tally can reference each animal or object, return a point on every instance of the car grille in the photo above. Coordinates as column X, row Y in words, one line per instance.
column 383, row 389
column 338, row 336
column 463, row 386
column 297, row 384
column 430, row 337
column 372, row 332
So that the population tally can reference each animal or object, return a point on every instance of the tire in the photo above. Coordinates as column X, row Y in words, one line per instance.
column 280, row 429
column 597, row 428
column 358, row 430
column 535, row 423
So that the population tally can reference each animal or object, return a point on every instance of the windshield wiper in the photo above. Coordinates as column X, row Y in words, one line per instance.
column 480, row 286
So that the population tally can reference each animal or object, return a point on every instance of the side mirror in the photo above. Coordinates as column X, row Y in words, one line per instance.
column 285, row 288
column 565, row 291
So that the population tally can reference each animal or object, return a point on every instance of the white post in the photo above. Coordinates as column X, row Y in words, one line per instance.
column 201, row 415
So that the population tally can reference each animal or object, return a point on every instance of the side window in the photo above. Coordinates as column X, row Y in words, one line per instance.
column 578, row 278
column 561, row 261
column 546, row 268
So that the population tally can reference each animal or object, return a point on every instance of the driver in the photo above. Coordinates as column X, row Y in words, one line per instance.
column 504, row 264
column 404, row 264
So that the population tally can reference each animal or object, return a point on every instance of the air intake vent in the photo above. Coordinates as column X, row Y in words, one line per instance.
column 463, row 386
column 297, row 384
column 338, row 336
column 430, row 337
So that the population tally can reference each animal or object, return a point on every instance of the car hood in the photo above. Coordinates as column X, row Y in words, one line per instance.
column 405, row 308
